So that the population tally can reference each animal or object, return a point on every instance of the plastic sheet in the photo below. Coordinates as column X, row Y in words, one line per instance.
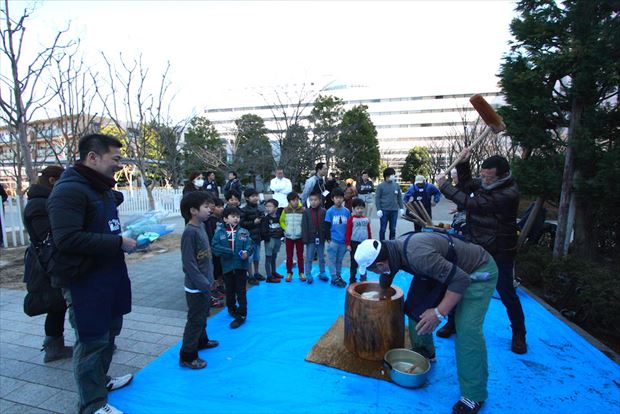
column 260, row 367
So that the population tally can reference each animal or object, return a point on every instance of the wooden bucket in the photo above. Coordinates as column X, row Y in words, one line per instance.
column 371, row 326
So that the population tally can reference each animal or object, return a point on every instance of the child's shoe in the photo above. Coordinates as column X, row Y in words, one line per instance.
column 273, row 279
column 208, row 344
column 323, row 277
column 195, row 364
column 239, row 320
column 278, row 275
column 338, row 282
column 252, row 281
column 289, row 277
column 259, row 277
column 309, row 279
column 302, row 277
column 363, row 278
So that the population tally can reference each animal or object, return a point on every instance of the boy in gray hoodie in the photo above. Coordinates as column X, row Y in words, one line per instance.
column 198, row 268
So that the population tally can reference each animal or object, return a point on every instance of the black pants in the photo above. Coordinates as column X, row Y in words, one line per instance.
column 55, row 323
column 195, row 331
column 235, row 291
column 508, row 294
column 353, row 273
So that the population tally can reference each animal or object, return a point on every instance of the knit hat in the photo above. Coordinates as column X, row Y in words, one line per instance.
column 419, row 179
column 366, row 254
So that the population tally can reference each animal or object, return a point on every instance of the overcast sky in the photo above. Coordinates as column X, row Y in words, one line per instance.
column 421, row 46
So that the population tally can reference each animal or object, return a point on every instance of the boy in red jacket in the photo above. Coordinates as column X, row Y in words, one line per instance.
column 358, row 230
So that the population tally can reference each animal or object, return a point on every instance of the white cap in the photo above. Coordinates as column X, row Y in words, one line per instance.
column 419, row 179
column 366, row 254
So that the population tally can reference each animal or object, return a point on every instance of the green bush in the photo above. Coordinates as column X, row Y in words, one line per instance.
column 585, row 292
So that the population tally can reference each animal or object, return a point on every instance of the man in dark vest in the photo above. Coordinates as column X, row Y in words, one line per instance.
column 83, row 212
column 491, row 204
column 448, row 274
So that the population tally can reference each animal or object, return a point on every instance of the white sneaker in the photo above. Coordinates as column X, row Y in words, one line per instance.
column 108, row 409
column 119, row 382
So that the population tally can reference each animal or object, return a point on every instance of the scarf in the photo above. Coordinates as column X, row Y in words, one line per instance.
column 99, row 181
column 497, row 183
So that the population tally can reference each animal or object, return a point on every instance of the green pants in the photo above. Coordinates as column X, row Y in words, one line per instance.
column 470, row 346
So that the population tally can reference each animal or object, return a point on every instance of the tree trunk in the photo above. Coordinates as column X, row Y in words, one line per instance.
column 567, row 179
column 530, row 222
column 584, row 242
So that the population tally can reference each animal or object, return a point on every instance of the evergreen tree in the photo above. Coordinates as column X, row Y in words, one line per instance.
column 204, row 149
column 561, row 81
column 253, row 155
column 325, row 119
column 418, row 162
column 357, row 148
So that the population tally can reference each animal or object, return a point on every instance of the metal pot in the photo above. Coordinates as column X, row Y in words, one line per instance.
column 399, row 361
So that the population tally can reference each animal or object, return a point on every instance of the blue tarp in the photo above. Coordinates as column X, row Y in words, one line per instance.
column 260, row 367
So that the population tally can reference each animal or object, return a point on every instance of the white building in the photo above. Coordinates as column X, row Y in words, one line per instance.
column 403, row 120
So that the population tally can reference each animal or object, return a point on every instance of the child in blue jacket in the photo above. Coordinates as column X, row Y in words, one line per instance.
column 234, row 246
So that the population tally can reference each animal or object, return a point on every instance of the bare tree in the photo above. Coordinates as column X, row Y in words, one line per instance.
column 134, row 111
column 75, row 94
column 20, row 92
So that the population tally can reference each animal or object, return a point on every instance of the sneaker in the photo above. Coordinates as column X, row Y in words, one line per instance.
column 363, row 278
column 425, row 353
column 239, row 320
column 323, row 277
column 208, row 344
column 278, row 275
column 119, row 382
column 273, row 279
column 302, row 277
column 108, row 409
column 309, row 279
column 252, row 281
column 217, row 303
column 518, row 343
column 289, row 277
column 195, row 364
column 466, row 406
column 447, row 330
column 259, row 277
column 338, row 282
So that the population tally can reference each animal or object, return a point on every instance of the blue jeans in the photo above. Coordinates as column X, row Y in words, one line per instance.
column 335, row 253
column 508, row 294
column 320, row 252
column 91, row 361
column 391, row 216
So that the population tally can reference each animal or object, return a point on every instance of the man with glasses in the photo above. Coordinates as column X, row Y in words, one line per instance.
column 490, row 203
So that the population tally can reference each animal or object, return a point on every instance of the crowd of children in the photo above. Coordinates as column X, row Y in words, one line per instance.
column 221, row 249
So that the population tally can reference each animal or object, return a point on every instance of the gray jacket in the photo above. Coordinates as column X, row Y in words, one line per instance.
column 389, row 197
column 197, row 258
column 426, row 255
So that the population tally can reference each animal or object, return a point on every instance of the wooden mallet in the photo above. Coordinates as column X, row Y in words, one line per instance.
column 494, row 123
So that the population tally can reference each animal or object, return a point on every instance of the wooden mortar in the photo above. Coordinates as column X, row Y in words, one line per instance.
column 372, row 327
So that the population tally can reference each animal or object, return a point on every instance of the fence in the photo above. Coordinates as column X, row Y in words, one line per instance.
column 13, row 231
column 136, row 201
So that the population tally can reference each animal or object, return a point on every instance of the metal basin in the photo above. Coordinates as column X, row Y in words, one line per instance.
column 399, row 363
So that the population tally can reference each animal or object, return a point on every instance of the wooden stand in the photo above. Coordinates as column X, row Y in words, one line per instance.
column 373, row 327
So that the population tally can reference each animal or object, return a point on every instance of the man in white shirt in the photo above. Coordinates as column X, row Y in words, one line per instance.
column 281, row 187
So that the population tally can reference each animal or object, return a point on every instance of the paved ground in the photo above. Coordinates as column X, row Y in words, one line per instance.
column 27, row 385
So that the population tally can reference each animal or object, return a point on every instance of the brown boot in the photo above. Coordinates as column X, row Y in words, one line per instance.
column 55, row 349
column 447, row 330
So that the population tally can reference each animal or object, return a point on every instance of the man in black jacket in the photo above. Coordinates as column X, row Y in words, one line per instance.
column 91, row 252
column 492, row 223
